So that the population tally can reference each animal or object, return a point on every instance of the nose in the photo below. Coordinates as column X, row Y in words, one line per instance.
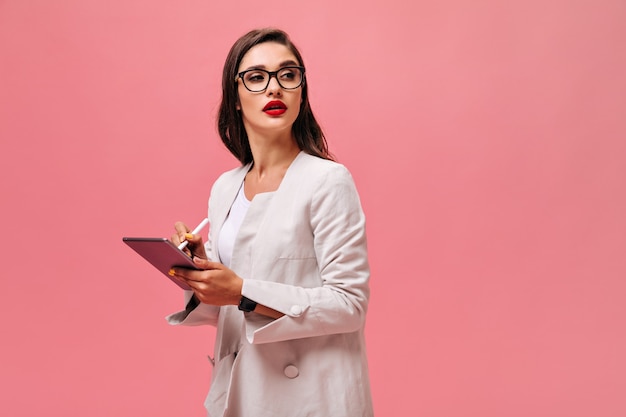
column 273, row 87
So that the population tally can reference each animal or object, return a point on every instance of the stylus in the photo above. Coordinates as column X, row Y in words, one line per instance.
column 201, row 226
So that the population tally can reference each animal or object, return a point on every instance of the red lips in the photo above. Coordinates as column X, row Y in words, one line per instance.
column 275, row 108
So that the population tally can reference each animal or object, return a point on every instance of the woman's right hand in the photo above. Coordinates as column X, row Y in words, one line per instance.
column 195, row 247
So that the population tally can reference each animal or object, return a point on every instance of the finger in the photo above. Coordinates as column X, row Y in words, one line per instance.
column 180, row 273
column 187, row 275
column 195, row 245
column 178, row 279
column 176, row 240
column 194, row 240
column 181, row 229
column 206, row 264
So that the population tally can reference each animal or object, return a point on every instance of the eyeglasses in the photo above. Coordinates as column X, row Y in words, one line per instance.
column 257, row 80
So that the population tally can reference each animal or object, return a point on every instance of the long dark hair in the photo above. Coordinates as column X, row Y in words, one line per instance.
column 306, row 130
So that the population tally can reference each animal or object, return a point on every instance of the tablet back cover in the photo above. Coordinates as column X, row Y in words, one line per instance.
column 162, row 254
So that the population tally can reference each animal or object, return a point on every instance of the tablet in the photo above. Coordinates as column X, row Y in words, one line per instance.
column 162, row 254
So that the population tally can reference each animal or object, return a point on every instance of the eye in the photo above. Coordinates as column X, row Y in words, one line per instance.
column 254, row 77
column 288, row 74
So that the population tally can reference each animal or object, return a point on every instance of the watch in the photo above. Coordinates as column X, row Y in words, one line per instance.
column 246, row 304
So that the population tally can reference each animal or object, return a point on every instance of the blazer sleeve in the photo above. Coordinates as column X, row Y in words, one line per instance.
column 194, row 314
column 339, row 305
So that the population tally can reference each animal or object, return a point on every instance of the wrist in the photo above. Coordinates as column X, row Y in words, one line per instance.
column 238, row 293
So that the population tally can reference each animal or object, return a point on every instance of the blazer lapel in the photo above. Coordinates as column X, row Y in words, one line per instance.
column 221, row 204
column 262, row 216
column 261, row 207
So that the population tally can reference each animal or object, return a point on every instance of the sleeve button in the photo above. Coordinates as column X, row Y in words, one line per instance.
column 296, row 311
column 291, row 371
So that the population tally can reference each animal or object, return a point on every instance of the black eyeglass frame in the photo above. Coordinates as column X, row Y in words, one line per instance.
column 269, row 78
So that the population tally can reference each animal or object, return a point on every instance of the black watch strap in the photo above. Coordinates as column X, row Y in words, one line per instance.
column 246, row 304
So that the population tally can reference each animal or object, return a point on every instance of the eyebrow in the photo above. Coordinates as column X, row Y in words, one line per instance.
column 287, row 63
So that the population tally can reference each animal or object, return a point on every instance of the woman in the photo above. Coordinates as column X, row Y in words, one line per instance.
column 284, row 274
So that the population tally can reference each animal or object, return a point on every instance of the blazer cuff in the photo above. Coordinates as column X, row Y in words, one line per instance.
column 195, row 313
column 293, row 325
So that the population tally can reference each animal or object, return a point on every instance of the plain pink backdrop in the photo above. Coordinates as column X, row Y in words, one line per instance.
column 488, row 142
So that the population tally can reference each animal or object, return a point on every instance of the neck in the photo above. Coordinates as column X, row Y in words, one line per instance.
column 272, row 155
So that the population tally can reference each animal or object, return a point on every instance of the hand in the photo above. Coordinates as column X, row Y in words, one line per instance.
column 195, row 247
column 215, row 284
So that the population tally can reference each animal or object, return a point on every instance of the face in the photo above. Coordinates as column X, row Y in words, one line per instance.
column 273, row 110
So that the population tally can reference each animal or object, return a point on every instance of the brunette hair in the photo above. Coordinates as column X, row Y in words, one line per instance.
column 306, row 130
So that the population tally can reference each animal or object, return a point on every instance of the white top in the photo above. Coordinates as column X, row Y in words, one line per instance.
column 231, row 226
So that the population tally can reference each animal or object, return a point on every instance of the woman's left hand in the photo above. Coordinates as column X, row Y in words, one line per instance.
column 215, row 284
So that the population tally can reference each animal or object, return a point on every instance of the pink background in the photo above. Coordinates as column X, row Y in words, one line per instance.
column 487, row 139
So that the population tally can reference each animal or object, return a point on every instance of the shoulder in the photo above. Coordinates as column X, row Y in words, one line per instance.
column 331, row 193
column 323, row 182
column 318, row 171
column 230, row 178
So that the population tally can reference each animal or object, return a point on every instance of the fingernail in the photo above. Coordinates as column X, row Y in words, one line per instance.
column 188, row 236
column 171, row 272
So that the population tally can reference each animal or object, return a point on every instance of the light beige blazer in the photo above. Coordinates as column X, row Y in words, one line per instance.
column 301, row 250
